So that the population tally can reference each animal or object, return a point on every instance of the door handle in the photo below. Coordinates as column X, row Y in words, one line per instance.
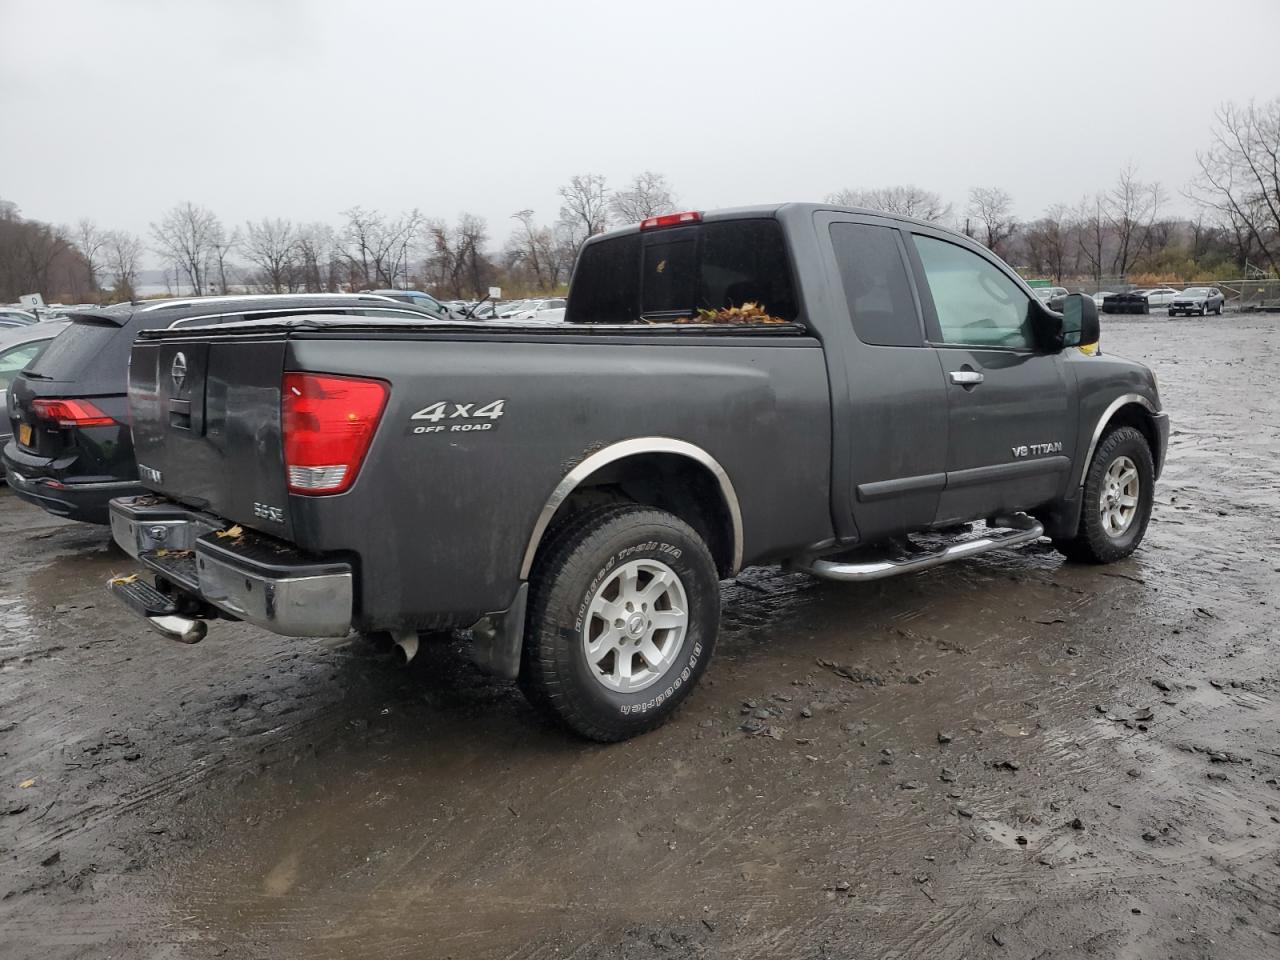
column 969, row 378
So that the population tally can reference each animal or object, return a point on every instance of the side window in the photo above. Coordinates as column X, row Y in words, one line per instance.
column 877, row 287
column 606, row 287
column 977, row 304
column 15, row 359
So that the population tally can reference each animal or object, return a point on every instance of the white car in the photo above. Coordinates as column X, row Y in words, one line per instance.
column 1160, row 296
column 1098, row 298
column 537, row 310
column 1046, row 294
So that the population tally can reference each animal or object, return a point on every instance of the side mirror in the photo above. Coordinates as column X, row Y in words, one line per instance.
column 1080, row 325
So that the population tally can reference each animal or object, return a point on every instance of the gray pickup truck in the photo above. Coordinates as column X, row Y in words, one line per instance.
column 574, row 494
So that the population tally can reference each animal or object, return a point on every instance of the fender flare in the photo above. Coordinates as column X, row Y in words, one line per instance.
column 620, row 451
column 1107, row 414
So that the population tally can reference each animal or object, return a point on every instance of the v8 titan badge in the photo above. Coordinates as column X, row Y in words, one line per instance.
column 450, row 416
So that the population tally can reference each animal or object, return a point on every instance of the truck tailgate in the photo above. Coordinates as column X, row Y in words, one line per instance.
column 206, row 425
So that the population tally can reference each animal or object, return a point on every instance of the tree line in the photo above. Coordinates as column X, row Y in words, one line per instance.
column 1123, row 231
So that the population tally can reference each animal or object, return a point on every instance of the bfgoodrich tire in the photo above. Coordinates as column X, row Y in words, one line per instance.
column 1119, row 488
column 624, row 608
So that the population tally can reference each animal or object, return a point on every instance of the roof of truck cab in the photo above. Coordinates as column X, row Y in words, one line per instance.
column 779, row 211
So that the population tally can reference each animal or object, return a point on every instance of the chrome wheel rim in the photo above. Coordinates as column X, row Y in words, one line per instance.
column 635, row 625
column 1118, row 504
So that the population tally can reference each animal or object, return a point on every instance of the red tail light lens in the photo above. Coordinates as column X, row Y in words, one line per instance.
column 671, row 219
column 70, row 413
column 328, row 423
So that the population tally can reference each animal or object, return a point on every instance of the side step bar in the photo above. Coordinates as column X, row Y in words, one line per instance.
column 1022, row 530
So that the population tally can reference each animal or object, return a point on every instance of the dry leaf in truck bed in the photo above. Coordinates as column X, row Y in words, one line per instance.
column 123, row 580
column 235, row 531
column 749, row 312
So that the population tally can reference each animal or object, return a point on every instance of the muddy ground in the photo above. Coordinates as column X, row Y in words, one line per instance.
column 1025, row 758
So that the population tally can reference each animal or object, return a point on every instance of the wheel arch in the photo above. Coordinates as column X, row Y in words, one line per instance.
column 1131, row 410
column 663, row 472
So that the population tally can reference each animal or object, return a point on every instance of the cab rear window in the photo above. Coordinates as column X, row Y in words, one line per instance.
column 670, row 274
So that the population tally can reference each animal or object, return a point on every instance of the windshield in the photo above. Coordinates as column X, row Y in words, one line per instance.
column 1196, row 292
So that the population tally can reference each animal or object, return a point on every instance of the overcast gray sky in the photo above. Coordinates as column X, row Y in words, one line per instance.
column 118, row 110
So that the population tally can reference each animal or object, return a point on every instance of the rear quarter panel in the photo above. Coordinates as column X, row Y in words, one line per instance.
column 441, row 520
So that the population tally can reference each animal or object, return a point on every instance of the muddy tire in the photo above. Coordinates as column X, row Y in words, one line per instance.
column 1119, row 488
column 624, row 608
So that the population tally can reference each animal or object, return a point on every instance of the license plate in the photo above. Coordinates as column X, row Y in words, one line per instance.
column 24, row 434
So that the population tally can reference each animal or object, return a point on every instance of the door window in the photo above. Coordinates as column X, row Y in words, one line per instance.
column 876, row 286
column 977, row 304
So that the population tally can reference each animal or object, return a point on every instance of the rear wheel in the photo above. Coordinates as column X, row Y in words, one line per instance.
column 624, row 608
column 1217, row 311
column 1118, row 492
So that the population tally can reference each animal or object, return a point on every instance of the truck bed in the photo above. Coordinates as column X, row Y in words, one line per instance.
column 444, row 507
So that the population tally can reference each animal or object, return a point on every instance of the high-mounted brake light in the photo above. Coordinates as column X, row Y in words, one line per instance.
column 328, row 423
column 70, row 413
column 671, row 219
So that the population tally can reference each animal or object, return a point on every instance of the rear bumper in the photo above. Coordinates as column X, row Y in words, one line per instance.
column 86, row 502
column 249, row 577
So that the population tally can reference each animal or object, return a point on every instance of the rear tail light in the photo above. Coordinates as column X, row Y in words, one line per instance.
column 70, row 413
column 328, row 423
column 671, row 219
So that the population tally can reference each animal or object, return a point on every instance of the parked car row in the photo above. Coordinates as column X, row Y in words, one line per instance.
column 1200, row 300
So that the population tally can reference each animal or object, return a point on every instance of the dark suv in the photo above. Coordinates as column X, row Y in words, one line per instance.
column 71, row 449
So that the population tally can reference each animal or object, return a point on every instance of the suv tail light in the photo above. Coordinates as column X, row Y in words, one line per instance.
column 70, row 413
column 328, row 423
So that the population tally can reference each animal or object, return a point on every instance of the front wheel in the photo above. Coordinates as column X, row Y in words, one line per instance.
column 624, row 608
column 1119, row 489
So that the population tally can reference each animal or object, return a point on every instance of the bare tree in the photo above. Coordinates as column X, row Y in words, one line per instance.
column 648, row 195
column 190, row 236
column 36, row 258
column 317, row 258
column 123, row 255
column 992, row 208
column 91, row 242
column 456, row 262
column 527, row 247
column 585, row 207
column 377, row 249
column 1048, row 243
column 223, row 245
column 1130, row 208
column 1090, row 228
column 1239, row 176
column 907, row 201
column 271, row 245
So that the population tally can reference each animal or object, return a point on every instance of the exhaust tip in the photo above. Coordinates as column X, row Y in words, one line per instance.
column 406, row 647
column 179, row 629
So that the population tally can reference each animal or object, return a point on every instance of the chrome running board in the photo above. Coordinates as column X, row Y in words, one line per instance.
column 1022, row 530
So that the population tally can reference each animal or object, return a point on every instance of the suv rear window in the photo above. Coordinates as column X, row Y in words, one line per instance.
column 671, row 273
column 85, row 346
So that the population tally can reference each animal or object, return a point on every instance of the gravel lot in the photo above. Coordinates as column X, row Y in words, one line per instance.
column 1007, row 757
